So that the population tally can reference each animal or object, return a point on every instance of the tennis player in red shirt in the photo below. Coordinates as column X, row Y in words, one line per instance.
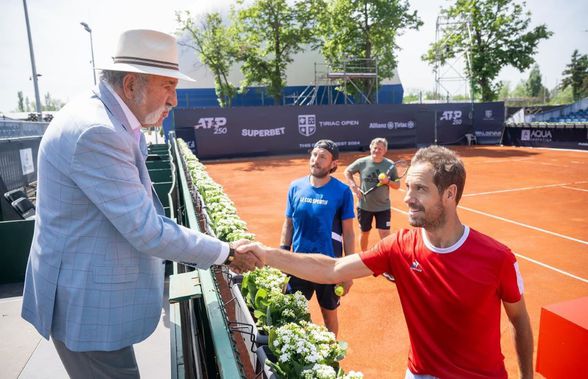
column 451, row 279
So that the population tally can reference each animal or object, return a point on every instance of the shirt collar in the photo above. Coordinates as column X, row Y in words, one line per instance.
column 134, row 123
column 445, row 250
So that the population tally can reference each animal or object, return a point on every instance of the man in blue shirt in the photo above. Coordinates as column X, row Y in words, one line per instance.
column 319, row 218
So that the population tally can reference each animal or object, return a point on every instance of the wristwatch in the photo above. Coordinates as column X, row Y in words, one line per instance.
column 230, row 257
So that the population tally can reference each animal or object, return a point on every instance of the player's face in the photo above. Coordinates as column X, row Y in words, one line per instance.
column 377, row 151
column 321, row 162
column 425, row 204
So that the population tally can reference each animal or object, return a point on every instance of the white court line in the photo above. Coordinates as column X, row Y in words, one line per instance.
column 524, row 225
column 525, row 257
column 574, row 188
column 524, row 188
column 551, row 268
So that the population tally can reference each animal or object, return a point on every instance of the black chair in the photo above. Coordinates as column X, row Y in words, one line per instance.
column 14, row 195
column 24, row 207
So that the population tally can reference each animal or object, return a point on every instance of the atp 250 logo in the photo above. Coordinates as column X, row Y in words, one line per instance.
column 453, row 116
column 217, row 124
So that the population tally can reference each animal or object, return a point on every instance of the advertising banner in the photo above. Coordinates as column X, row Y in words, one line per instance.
column 561, row 137
column 253, row 131
column 274, row 130
column 489, row 122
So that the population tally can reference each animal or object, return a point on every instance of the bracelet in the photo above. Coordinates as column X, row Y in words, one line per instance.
column 285, row 247
column 231, row 256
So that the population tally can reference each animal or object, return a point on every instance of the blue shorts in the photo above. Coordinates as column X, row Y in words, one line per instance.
column 325, row 293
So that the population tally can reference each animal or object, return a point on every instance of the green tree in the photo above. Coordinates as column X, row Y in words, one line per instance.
column 493, row 34
column 534, row 85
column 270, row 33
column 52, row 104
column 364, row 30
column 215, row 45
column 576, row 75
column 562, row 96
column 411, row 97
column 21, row 107
column 504, row 92
column 520, row 90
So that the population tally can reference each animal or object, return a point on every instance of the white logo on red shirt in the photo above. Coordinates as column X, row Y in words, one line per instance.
column 416, row 266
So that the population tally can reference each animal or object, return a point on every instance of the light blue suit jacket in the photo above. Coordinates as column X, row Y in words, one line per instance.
column 94, row 278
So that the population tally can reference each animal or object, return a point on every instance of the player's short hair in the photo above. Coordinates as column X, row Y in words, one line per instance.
column 448, row 168
column 381, row 140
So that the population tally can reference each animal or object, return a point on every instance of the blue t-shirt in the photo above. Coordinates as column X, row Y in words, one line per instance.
column 317, row 215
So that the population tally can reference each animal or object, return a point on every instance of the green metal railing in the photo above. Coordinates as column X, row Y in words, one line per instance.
column 202, row 345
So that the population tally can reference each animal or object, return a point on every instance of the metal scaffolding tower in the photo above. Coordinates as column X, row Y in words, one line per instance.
column 452, row 75
column 332, row 81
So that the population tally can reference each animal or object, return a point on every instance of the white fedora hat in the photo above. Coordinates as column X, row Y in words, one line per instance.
column 147, row 52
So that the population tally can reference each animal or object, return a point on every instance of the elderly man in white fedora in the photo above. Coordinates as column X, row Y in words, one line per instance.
column 95, row 275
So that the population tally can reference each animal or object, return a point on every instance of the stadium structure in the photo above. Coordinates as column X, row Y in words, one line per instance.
column 310, row 81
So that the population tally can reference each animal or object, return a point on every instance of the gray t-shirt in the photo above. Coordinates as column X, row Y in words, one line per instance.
column 379, row 199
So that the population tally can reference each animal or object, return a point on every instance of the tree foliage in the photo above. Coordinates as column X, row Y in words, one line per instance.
column 534, row 84
column 365, row 30
column 26, row 105
column 576, row 76
column 21, row 107
column 215, row 45
column 494, row 34
column 270, row 32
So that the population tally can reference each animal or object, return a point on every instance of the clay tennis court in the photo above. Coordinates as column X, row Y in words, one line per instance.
column 533, row 200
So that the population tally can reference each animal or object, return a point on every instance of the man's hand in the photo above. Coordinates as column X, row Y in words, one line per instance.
column 243, row 262
column 384, row 180
column 253, row 248
column 355, row 189
column 347, row 286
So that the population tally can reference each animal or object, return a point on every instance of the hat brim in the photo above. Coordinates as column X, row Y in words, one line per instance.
column 140, row 69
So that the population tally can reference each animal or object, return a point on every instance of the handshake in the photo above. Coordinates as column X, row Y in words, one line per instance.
column 248, row 255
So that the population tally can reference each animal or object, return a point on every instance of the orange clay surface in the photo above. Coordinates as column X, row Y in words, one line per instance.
column 533, row 200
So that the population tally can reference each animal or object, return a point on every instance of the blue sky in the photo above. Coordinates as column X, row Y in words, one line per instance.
column 62, row 48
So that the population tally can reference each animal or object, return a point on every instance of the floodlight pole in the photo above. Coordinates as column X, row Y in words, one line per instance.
column 89, row 30
column 35, row 84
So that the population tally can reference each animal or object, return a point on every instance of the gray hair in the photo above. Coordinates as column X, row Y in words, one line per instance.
column 381, row 140
column 115, row 78
column 448, row 168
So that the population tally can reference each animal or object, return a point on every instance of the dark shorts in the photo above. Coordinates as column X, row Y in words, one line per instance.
column 365, row 219
column 325, row 293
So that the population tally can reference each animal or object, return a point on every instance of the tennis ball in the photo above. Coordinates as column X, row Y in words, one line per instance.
column 339, row 290
column 382, row 176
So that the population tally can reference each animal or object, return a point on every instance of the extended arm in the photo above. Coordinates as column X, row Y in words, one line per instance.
column 316, row 268
column 523, row 336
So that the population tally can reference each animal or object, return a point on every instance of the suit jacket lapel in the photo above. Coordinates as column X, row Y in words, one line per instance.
column 113, row 106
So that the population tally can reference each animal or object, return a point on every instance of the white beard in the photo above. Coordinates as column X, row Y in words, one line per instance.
column 153, row 117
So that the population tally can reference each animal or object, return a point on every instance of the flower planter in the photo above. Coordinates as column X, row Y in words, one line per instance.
column 255, row 341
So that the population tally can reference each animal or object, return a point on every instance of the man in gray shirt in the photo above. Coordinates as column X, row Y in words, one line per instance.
column 376, row 204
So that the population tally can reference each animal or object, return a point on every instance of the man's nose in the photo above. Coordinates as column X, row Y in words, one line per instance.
column 408, row 199
column 173, row 99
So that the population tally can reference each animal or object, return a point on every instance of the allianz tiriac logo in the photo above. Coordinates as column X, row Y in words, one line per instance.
column 216, row 124
column 453, row 116
column 306, row 124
